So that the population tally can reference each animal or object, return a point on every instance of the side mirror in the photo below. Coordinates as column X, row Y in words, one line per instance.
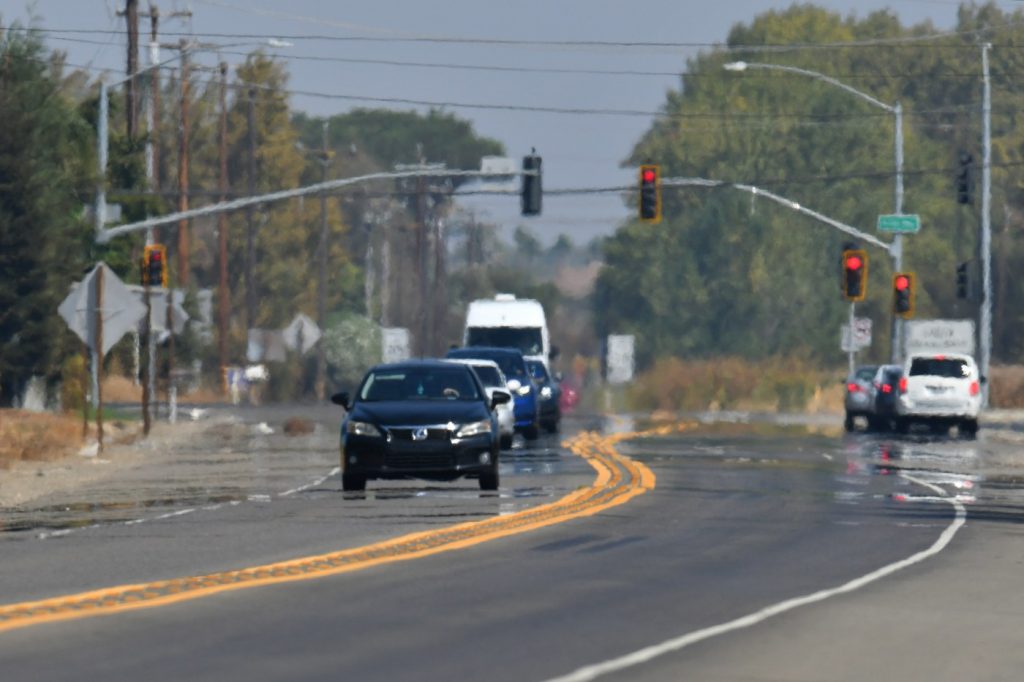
column 500, row 398
column 554, row 352
column 341, row 399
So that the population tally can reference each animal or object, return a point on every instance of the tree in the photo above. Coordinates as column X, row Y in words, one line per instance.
column 42, row 144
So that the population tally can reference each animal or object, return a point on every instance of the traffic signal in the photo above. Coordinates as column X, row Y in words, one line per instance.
column 961, row 280
column 531, row 188
column 154, row 265
column 903, row 294
column 964, row 178
column 650, row 193
column 855, row 274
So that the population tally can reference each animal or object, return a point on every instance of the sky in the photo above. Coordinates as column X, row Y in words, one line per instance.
column 578, row 150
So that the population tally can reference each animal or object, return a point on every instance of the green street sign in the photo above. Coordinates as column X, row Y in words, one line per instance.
column 899, row 223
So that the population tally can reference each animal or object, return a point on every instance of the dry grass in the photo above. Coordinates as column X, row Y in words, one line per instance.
column 119, row 389
column 733, row 383
column 1006, row 387
column 29, row 436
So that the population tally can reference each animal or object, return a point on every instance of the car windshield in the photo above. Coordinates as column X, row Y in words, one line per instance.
column 537, row 370
column 511, row 364
column 866, row 373
column 419, row 384
column 527, row 340
column 489, row 376
column 950, row 368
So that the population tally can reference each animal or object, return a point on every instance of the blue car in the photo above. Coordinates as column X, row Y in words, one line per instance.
column 525, row 393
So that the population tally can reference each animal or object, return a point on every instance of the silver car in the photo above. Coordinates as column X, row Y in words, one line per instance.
column 493, row 379
column 859, row 394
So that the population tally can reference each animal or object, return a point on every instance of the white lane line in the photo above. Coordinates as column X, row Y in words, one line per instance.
column 169, row 515
column 591, row 672
column 320, row 481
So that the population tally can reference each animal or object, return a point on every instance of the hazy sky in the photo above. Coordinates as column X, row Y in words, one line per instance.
column 578, row 150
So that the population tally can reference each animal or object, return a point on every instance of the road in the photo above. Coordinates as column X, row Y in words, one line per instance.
column 742, row 518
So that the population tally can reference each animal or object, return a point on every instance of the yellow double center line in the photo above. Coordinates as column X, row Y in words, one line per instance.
column 619, row 479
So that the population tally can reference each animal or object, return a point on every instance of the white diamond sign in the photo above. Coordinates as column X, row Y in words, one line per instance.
column 121, row 309
column 302, row 334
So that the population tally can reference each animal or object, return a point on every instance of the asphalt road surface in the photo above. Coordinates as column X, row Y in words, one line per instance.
column 742, row 519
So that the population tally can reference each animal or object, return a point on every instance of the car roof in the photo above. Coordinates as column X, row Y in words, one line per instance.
column 475, row 362
column 433, row 363
column 468, row 351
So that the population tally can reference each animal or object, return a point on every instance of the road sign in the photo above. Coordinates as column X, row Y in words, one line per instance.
column 620, row 358
column 394, row 344
column 302, row 334
column 122, row 311
column 939, row 336
column 903, row 224
column 861, row 338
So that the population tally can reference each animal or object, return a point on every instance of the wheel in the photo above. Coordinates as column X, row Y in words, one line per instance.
column 531, row 432
column 551, row 426
column 505, row 442
column 969, row 428
column 490, row 480
column 874, row 424
column 848, row 422
column 353, row 482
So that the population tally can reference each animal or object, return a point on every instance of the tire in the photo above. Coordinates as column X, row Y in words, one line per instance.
column 551, row 426
column 490, row 480
column 505, row 442
column 848, row 423
column 969, row 428
column 902, row 425
column 353, row 482
column 874, row 424
column 531, row 432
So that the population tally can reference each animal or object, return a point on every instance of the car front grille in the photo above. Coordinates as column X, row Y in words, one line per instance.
column 403, row 434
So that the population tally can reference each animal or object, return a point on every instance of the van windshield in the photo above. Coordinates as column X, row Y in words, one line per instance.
column 527, row 340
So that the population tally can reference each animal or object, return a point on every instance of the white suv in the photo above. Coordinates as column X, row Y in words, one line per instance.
column 940, row 390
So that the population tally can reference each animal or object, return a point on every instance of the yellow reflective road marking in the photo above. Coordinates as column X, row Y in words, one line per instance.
column 619, row 479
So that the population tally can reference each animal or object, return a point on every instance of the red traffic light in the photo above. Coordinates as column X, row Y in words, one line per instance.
column 902, row 282
column 649, row 175
column 854, row 263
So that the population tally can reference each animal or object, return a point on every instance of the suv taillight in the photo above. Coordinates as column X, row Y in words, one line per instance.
column 975, row 388
column 903, row 384
column 852, row 387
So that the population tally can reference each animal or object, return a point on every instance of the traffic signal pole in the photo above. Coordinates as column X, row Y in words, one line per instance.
column 985, row 332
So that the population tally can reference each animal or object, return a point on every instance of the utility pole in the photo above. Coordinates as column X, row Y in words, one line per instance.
column 986, row 225
column 131, row 17
column 440, row 288
column 250, row 236
column 183, row 164
column 321, row 289
column 422, row 314
column 222, row 233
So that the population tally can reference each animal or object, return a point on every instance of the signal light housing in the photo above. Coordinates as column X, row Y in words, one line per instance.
column 650, row 193
column 531, row 191
column 154, row 265
column 903, row 294
column 855, row 274
column 964, row 179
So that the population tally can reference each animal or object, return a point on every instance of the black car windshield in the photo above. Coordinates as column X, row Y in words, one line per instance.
column 537, row 370
column 527, row 340
column 866, row 373
column 950, row 368
column 419, row 384
column 490, row 377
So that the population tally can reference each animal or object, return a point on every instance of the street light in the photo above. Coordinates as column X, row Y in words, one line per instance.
column 897, row 111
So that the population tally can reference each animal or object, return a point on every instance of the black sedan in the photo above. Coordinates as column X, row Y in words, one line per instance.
column 426, row 419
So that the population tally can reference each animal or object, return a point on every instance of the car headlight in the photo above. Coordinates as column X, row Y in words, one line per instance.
column 545, row 392
column 523, row 390
column 363, row 429
column 474, row 429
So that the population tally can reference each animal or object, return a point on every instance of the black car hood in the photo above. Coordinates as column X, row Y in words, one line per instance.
column 419, row 412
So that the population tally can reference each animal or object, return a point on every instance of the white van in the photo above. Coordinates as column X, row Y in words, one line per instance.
column 508, row 322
